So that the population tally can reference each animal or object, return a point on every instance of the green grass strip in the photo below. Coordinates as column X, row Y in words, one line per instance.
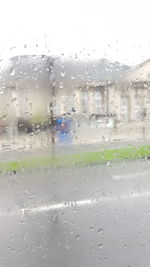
column 83, row 158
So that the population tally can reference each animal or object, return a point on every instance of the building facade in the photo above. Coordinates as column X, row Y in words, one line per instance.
column 97, row 112
column 107, row 112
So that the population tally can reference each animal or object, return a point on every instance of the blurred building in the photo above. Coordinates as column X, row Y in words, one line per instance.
column 110, row 111
column 99, row 111
column 26, row 90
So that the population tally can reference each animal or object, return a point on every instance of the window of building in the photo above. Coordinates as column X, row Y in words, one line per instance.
column 124, row 109
column 84, row 102
column 97, row 102
column 70, row 103
column 137, row 107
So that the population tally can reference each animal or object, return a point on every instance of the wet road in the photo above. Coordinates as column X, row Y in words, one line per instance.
column 88, row 216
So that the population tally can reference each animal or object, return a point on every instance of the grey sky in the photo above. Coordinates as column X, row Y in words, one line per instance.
column 114, row 29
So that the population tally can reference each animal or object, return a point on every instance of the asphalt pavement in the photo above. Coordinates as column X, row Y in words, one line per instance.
column 82, row 216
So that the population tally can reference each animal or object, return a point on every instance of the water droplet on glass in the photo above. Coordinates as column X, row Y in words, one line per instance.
column 44, row 255
column 14, row 99
column 108, row 164
column 67, row 246
column 61, row 85
column 12, row 71
column 75, row 57
column 100, row 230
column 63, row 73
column 78, row 237
column 125, row 245
column 100, row 245
column 73, row 77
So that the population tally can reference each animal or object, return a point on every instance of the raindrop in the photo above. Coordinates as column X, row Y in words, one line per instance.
column 61, row 85
column 76, row 57
column 1, row 92
column 100, row 230
column 108, row 164
column 100, row 245
column 67, row 246
column 12, row 71
column 35, row 67
column 63, row 73
column 14, row 99
column 107, row 69
column 125, row 245
column 78, row 237
column 44, row 255
column 54, row 219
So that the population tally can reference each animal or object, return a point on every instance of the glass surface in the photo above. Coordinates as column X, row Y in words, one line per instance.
column 74, row 133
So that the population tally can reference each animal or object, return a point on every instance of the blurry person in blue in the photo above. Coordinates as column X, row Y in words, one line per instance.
column 63, row 128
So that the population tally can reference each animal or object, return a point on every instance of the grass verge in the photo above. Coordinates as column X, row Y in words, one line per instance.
column 83, row 158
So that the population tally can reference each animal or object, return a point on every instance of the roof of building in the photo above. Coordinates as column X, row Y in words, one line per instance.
column 31, row 69
column 139, row 73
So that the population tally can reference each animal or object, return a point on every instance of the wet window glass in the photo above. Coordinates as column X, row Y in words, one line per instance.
column 74, row 133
